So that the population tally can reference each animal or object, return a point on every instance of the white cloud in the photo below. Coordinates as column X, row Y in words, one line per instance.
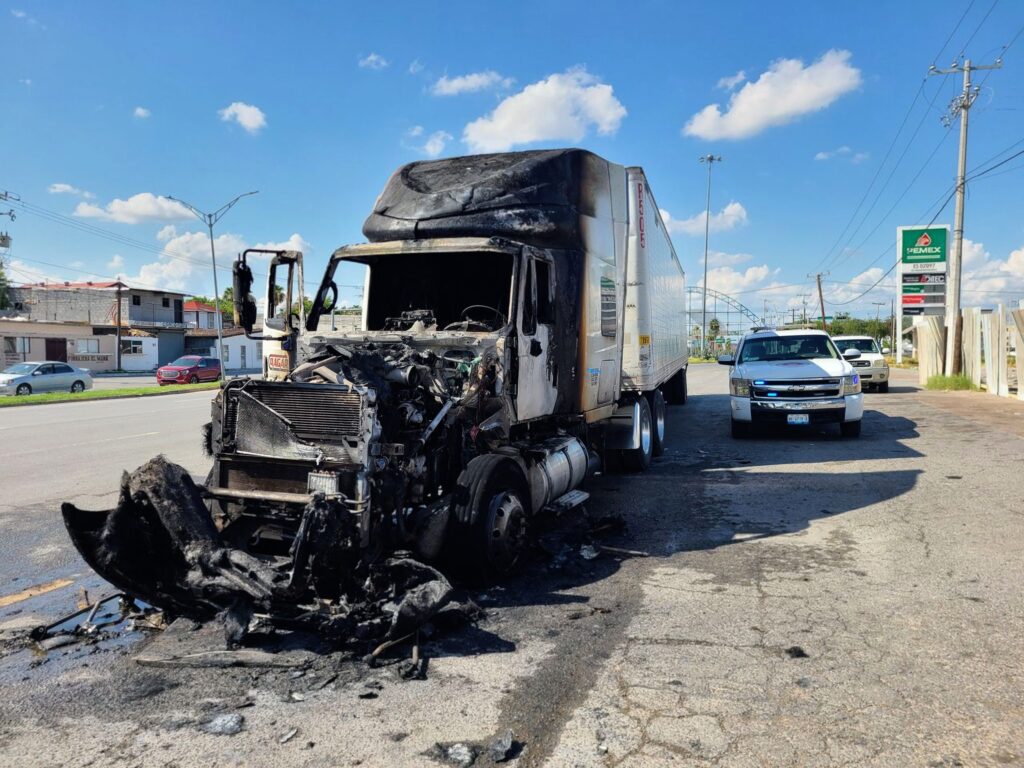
column 116, row 263
column 415, row 67
column 859, row 157
column 471, row 83
column 25, row 81
column 828, row 154
column 561, row 107
column 251, row 118
column 373, row 61
column 63, row 189
column 142, row 113
column 144, row 206
column 21, row 15
column 785, row 92
column 435, row 143
column 731, row 216
column 720, row 259
column 728, row 83
column 988, row 281
column 730, row 281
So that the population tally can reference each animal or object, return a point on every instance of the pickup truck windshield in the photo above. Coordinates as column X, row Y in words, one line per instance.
column 861, row 345
column 775, row 348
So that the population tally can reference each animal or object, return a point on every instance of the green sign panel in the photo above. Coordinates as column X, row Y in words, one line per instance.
column 919, row 246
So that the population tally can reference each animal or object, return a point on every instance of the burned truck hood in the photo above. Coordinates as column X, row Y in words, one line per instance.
column 534, row 197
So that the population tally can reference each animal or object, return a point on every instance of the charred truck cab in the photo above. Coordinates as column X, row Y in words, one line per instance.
column 523, row 321
column 523, row 316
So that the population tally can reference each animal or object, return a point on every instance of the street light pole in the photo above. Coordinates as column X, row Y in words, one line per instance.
column 710, row 160
column 209, row 219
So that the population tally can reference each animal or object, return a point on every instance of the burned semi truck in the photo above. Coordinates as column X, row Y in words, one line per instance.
column 523, row 321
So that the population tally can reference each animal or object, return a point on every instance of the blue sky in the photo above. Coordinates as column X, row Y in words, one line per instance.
column 108, row 106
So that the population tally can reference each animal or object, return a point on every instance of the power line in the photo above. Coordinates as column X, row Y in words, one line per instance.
column 920, row 89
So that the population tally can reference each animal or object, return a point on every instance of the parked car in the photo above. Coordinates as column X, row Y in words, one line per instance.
column 871, row 365
column 190, row 369
column 45, row 376
column 796, row 378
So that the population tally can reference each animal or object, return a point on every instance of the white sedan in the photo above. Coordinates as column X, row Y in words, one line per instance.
column 45, row 376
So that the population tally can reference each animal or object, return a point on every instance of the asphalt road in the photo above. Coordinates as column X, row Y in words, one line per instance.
column 805, row 600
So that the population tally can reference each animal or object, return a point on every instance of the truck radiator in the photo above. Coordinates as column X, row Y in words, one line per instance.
column 316, row 412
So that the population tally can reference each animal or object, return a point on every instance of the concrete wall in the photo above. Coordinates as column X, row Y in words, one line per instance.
column 145, row 359
column 73, row 305
column 233, row 346
column 36, row 335
column 150, row 307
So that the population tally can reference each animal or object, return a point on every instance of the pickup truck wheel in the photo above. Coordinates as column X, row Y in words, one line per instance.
column 639, row 459
column 883, row 387
column 675, row 389
column 850, row 428
column 657, row 402
column 740, row 429
column 491, row 510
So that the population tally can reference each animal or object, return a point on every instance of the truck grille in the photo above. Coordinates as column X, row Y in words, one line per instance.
column 861, row 363
column 803, row 389
column 316, row 412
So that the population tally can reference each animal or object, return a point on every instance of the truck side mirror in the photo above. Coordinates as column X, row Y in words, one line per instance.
column 851, row 354
column 726, row 360
column 243, row 300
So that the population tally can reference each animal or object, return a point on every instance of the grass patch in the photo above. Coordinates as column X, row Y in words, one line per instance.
column 105, row 394
column 951, row 383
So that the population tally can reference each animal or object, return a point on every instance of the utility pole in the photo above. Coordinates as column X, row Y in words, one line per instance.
column 209, row 219
column 878, row 306
column 821, row 298
column 960, row 106
column 117, row 357
column 710, row 160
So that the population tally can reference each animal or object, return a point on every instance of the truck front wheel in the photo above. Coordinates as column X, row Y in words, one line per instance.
column 639, row 459
column 491, row 509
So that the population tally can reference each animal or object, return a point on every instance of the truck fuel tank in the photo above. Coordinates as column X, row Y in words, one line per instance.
column 558, row 465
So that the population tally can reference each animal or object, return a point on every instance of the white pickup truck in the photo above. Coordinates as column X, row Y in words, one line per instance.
column 795, row 378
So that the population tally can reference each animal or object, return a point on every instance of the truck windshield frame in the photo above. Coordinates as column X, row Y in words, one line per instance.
column 406, row 280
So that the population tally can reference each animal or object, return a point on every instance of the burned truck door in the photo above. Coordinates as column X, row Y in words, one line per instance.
column 285, row 313
column 537, row 384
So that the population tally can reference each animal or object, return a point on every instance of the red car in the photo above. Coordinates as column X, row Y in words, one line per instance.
column 190, row 369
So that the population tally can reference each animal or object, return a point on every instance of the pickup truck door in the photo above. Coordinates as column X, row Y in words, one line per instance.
column 536, row 390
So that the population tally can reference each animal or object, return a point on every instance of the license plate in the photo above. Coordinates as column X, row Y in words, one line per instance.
column 798, row 418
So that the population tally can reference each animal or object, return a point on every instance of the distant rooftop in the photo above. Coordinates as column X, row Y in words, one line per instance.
column 106, row 285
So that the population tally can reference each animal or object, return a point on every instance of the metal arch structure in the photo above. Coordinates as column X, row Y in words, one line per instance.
column 734, row 319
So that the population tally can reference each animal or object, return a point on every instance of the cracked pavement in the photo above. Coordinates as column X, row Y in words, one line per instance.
column 807, row 600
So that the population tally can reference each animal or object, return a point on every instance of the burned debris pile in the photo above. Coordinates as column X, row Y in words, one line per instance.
column 161, row 545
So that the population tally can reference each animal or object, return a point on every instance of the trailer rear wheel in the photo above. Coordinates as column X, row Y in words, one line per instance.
column 639, row 459
column 491, row 510
column 657, row 403
column 675, row 389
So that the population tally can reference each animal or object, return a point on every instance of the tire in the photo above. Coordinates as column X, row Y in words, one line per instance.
column 675, row 389
column 491, row 514
column 639, row 459
column 656, row 401
column 193, row 379
column 740, row 429
column 23, row 389
column 883, row 387
column 850, row 428
column 77, row 387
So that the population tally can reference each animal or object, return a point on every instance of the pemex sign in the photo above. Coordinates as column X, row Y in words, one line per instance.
column 923, row 249
column 922, row 254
